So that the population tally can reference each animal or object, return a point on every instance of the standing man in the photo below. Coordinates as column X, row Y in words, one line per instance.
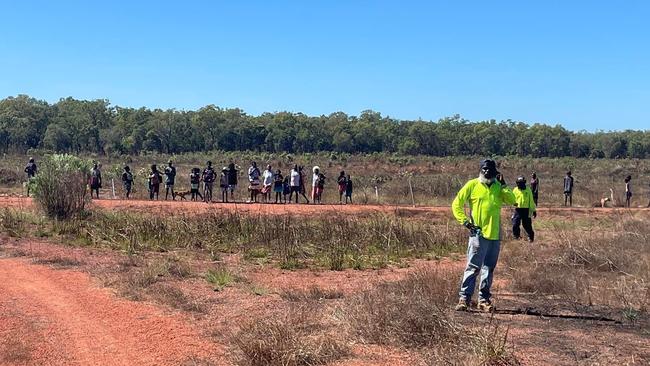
column 568, row 189
column 95, row 180
column 127, row 181
column 534, row 186
column 294, row 182
column 154, row 182
column 485, row 196
column 524, row 209
column 170, row 179
column 208, row 177
column 30, row 170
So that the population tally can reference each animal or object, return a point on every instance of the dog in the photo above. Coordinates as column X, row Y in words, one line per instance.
column 182, row 194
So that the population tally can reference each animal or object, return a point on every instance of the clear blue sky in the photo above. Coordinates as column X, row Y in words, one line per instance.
column 583, row 64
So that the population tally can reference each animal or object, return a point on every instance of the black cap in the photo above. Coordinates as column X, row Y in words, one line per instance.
column 488, row 163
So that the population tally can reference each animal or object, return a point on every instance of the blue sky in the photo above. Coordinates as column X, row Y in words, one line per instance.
column 583, row 64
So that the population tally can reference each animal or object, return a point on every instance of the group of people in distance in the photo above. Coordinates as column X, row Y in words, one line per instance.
column 273, row 186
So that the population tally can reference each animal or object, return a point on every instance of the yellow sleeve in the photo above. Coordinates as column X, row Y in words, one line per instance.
column 458, row 205
column 507, row 196
column 533, row 208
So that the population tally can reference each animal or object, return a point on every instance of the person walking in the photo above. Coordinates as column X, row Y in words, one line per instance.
column 127, row 181
column 95, row 180
column 30, row 169
column 341, row 182
column 208, row 177
column 525, row 210
column 302, row 189
column 155, row 178
column 628, row 191
column 568, row 189
column 170, row 179
column 534, row 186
column 485, row 196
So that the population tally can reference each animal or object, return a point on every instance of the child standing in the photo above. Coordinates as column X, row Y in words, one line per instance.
column 341, row 182
column 195, row 182
column 348, row 189
column 223, row 184
column 278, row 186
column 286, row 188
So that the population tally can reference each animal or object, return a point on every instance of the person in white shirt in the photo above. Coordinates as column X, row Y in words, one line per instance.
column 294, row 183
column 267, row 184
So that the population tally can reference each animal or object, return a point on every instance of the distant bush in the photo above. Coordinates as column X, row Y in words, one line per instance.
column 60, row 185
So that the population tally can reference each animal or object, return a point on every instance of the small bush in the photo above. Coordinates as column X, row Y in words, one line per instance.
column 411, row 312
column 60, row 185
column 220, row 277
column 291, row 339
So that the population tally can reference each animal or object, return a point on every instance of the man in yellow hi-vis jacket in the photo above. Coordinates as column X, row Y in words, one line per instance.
column 485, row 196
column 524, row 210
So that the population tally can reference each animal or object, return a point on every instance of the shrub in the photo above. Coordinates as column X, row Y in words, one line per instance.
column 60, row 185
column 294, row 338
column 411, row 312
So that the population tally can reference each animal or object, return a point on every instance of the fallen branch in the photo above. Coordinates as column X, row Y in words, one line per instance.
column 533, row 312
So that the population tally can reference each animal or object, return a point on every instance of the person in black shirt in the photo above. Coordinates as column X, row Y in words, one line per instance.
column 127, row 181
column 170, row 179
column 30, row 170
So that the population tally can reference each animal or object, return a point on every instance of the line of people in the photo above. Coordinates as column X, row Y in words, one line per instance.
column 269, row 184
column 266, row 183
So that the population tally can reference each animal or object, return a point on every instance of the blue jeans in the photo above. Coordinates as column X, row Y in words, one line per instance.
column 482, row 254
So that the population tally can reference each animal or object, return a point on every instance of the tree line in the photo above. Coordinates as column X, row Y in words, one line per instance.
column 95, row 126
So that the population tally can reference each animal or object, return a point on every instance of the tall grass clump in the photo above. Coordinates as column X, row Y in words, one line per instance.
column 60, row 185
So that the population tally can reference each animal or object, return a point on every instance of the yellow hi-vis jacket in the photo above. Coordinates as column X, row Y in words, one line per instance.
column 485, row 205
column 524, row 199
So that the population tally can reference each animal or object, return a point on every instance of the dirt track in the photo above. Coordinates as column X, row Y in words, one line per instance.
column 58, row 317
column 258, row 208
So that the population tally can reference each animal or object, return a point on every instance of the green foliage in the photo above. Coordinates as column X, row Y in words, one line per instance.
column 60, row 185
column 72, row 125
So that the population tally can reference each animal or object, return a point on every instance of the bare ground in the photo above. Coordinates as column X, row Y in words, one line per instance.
column 74, row 315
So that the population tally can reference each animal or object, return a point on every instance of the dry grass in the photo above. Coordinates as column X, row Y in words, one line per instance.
column 412, row 312
column 608, row 267
column 293, row 338
column 314, row 293
column 170, row 295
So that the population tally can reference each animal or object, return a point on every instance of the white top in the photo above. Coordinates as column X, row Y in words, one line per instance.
column 295, row 178
column 314, row 181
column 268, row 177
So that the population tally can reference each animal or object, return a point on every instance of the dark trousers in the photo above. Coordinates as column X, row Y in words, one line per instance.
column 521, row 217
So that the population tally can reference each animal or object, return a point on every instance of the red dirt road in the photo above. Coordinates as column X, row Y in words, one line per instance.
column 59, row 317
column 188, row 207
